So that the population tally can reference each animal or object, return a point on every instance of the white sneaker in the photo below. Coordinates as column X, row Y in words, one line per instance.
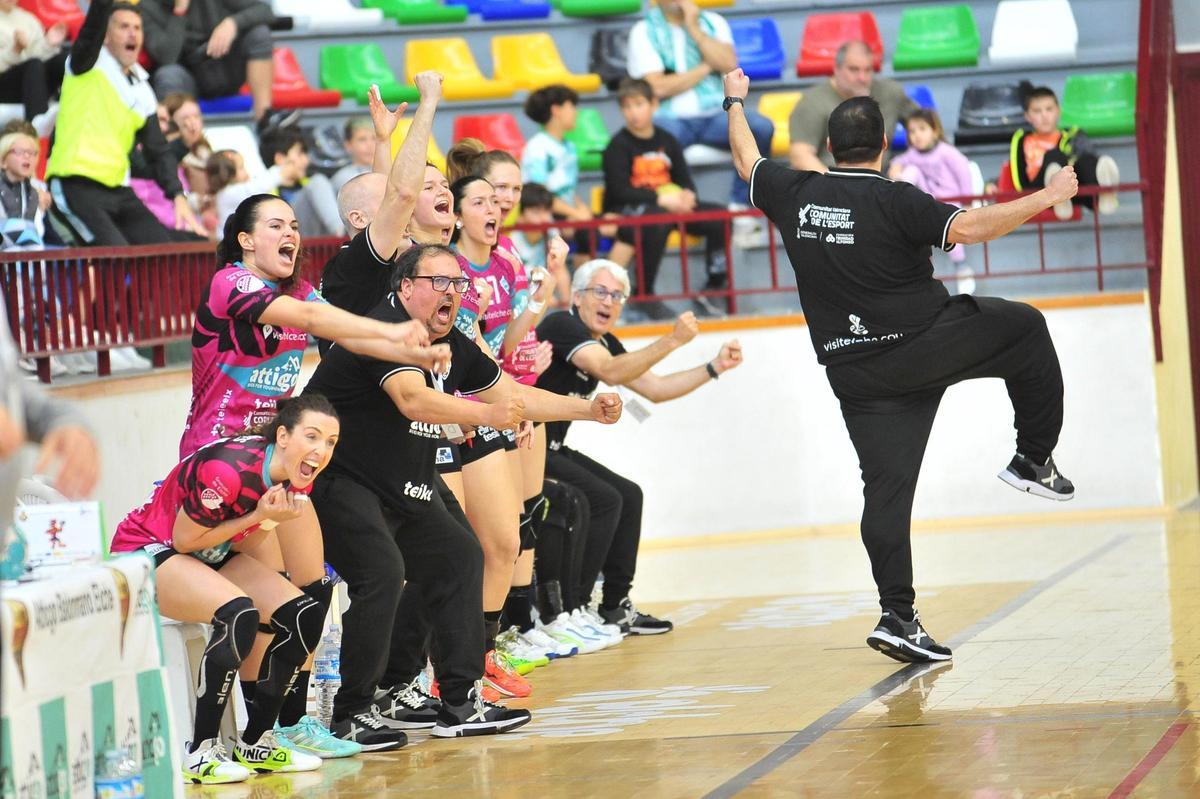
column 123, row 358
column 78, row 363
column 562, row 629
column 210, row 765
column 553, row 647
column 267, row 756
column 1107, row 174
column 594, row 617
column 1063, row 210
column 584, row 624
column 56, row 366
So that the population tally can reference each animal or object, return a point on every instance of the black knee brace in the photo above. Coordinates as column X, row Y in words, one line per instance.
column 320, row 590
column 234, row 625
column 297, row 624
column 531, row 518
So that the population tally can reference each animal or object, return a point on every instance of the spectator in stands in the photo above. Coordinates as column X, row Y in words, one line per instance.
column 537, row 209
column 1039, row 154
column 210, row 48
column 31, row 61
column 682, row 52
column 23, row 198
column 185, row 134
column 853, row 76
column 645, row 173
column 313, row 198
column 586, row 352
column 359, row 138
column 107, row 106
column 231, row 183
column 141, row 179
column 548, row 158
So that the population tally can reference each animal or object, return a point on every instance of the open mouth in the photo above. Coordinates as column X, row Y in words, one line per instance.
column 444, row 310
column 442, row 206
column 309, row 468
column 490, row 227
column 603, row 317
column 287, row 253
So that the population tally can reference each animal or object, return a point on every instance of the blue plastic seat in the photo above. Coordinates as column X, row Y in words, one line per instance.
column 513, row 9
column 922, row 96
column 233, row 104
column 759, row 48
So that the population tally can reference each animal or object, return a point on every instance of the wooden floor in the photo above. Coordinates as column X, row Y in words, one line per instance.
column 1076, row 656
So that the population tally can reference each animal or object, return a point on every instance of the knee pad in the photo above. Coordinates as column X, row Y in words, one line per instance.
column 531, row 519
column 234, row 626
column 297, row 624
column 321, row 591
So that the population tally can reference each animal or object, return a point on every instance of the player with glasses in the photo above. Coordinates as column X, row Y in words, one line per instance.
column 586, row 352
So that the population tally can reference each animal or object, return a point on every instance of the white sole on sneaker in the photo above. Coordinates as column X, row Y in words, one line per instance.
column 1033, row 487
column 1063, row 211
column 467, row 730
column 901, row 650
column 1107, row 174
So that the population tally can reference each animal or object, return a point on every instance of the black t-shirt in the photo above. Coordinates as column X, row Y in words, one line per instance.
column 380, row 448
column 635, row 168
column 355, row 279
column 860, row 246
column 568, row 335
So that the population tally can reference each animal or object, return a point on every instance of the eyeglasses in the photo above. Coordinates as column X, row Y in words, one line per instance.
column 23, row 152
column 601, row 293
column 441, row 282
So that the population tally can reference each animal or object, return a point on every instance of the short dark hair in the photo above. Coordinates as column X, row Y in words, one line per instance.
column 288, row 412
column 409, row 262
column 1038, row 92
column 539, row 103
column 124, row 5
column 535, row 195
column 856, row 131
column 279, row 141
column 634, row 87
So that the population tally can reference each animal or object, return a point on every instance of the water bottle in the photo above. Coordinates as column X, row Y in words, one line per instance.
column 131, row 775
column 109, row 782
column 327, row 671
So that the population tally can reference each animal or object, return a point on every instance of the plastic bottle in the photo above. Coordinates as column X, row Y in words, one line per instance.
column 109, row 782
column 131, row 775
column 327, row 672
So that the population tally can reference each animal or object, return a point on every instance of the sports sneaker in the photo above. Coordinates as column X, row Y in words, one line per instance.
column 405, row 707
column 309, row 735
column 597, row 621
column 499, row 674
column 477, row 716
column 1044, row 481
column 1107, row 174
column 564, row 628
column 905, row 641
column 522, row 655
column 633, row 621
column 611, row 636
column 267, row 755
column 210, row 765
column 1064, row 210
column 368, row 728
column 553, row 647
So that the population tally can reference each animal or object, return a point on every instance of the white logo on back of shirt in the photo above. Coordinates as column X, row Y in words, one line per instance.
column 856, row 326
column 802, row 216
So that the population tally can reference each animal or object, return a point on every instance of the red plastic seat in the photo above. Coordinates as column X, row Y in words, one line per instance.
column 825, row 33
column 50, row 12
column 290, row 89
column 496, row 131
column 1005, row 183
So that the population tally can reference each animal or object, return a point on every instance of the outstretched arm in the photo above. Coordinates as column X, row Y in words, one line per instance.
column 87, row 45
column 993, row 221
column 660, row 388
column 741, row 139
column 620, row 370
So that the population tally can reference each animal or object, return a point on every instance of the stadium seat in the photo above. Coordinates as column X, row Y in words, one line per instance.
column 473, row 6
column 935, row 37
column 433, row 153
column 51, row 12
column 352, row 68
column 1005, row 183
column 922, row 96
column 530, row 61
column 715, row 3
column 418, row 12
column 1101, row 104
column 514, row 9
column 990, row 112
column 759, row 48
column 291, row 89
column 240, row 138
column 608, row 55
column 777, row 107
column 232, row 104
column 825, row 33
column 496, row 131
column 599, row 8
column 704, row 155
column 590, row 137
column 328, row 16
column 452, row 58
column 1033, row 32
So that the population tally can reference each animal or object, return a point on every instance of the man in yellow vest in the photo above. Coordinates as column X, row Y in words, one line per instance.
column 107, row 107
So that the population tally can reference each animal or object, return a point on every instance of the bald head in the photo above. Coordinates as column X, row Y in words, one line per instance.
column 359, row 200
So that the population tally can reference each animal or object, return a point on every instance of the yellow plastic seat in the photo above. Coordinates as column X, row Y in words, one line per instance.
column 715, row 3
column 433, row 153
column 452, row 57
column 777, row 107
column 531, row 60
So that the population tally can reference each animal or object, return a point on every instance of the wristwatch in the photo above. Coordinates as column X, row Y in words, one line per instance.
column 729, row 101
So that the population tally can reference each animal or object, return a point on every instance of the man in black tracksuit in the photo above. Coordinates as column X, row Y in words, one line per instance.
column 891, row 337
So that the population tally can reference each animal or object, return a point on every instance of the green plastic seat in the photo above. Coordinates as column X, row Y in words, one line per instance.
column 590, row 137
column 599, row 8
column 1103, row 104
column 932, row 37
column 352, row 68
column 418, row 12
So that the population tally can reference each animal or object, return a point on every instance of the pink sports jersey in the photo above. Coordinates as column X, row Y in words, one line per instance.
column 510, row 296
column 221, row 481
column 240, row 368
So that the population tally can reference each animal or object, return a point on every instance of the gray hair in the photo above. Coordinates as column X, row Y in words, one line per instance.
column 839, row 59
column 584, row 274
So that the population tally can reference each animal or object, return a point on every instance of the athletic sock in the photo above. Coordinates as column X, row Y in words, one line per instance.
column 295, row 702
column 248, row 687
column 518, row 608
column 491, row 628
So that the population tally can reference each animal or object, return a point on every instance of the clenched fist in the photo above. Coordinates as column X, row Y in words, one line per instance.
column 606, row 408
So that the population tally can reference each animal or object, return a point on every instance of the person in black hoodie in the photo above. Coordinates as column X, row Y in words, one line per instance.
column 645, row 173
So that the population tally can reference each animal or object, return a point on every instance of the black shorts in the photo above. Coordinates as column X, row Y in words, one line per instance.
column 447, row 458
column 161, row 553
column 486, row 441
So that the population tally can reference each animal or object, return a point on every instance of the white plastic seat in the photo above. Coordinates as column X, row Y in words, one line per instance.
column 703, row 155
column 1033, row 31
column 328, row 16
column 240, row 138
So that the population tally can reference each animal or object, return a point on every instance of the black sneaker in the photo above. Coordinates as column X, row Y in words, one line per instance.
column 477, row 716
column 405, row 707
column 633, row 622
column 905, row 641
column 368, row 728
column 1044, row 481
column 277, row 118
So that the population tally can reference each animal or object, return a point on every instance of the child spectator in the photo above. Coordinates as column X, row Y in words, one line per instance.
column 645, row 173
column 23, row 198
column 550, row 160
column 536, row 205
column 312, row 198
column 359, row 139
column 230, row 183
column 31, row 59
column 1039, row 154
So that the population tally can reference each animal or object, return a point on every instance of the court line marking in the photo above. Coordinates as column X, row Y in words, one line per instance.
column 1147, row 763
column 813, row 732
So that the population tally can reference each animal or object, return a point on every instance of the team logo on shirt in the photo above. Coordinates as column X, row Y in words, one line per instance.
column 836, row 221
column 248, row 284
column 420, row 492
column 210, row 499
column 856, row 326
column 443, row 456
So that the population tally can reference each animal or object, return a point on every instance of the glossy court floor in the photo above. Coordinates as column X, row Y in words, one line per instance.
column 1076, row 674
